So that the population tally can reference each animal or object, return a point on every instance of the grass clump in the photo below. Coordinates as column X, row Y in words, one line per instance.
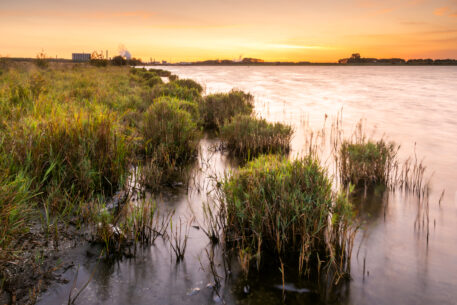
column 160, row 72
column 366, row 163
column 218, row 108
column 147, row 77
column 287, row 209
column 173, row 89
column 170, row 137
column 190, row 106
column 248, row 137
column 190, row 84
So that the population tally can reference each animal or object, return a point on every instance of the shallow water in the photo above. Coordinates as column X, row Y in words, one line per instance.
column 393, row 262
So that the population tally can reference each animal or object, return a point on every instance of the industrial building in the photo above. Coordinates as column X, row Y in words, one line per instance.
column 80, row 57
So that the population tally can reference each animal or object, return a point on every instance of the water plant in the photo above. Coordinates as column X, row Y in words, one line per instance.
column 179, row 234
column 366, row 163
column 246, row 136
column 288, row 209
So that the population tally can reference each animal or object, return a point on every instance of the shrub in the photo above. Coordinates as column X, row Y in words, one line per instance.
column 218, row 108
column 280, row 207
column 170, row 136
column 41, row 60
column 366, row 163
column 118, row 61
column 99, row 62
column 174, row 90
column 151, row 82
column 248, row 137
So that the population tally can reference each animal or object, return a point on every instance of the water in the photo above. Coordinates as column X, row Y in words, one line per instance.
column 393, row 260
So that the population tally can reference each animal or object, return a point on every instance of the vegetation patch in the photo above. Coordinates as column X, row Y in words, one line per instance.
column 190, row 84
column 218, row 108
column 173, row 89
column 288, row 209
column 170, row 136
column 366, row 163
column 247, row 137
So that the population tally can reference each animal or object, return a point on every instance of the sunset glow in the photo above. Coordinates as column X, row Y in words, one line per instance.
column 179, row 30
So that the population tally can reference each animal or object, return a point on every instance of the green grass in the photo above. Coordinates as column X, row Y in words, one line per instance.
column 247, row 137
column 16, row 207
column 173, row 89
column 71, row 132
column 170, row 138
column 366, row 163
column 282, row 208
column 190, row 84
column 216, row 109
column 79, row 154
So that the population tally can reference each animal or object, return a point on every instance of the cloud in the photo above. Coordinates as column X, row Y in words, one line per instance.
column 442, row 11
column 449, row 10
column 77, row 14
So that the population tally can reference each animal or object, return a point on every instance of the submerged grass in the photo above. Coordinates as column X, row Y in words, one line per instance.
column 247, row 137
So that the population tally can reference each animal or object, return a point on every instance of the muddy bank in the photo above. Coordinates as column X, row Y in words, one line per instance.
column 40, row 259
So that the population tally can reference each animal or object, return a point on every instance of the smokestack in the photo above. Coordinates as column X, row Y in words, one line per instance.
column 106, row 54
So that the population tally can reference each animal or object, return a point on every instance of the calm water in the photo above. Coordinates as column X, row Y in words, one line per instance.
column 414, row 106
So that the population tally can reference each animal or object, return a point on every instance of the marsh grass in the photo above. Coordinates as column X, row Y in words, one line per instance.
column 247, row 137
column 173, row 89
column 287, row 209
column 170, row 139
column 64, row 138
column 82, row 155
column 217, row 109
column 137, row 223
column 179, row 235
column 190, row 84
column 149, row 78
column 16, row 206
column 367, row 164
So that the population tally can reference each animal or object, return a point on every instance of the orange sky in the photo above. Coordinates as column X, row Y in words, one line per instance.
column 183, row 30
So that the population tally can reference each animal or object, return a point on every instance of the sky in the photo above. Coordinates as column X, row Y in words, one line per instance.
column 190, row 30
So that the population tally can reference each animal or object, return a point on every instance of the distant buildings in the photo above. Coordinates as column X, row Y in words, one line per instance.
column 252, row 60
column 357, row 59
column 80, row 57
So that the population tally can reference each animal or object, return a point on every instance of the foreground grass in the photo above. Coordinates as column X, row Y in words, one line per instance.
column 288, row 209
column 70, row 133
